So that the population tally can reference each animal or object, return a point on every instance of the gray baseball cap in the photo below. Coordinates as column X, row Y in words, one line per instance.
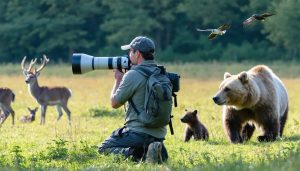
column 140, row 43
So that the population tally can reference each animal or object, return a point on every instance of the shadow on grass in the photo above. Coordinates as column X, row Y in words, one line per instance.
column 293, row 138
column 217, row 142
column 103, row 111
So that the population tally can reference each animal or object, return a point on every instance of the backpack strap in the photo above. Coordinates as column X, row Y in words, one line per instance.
column 146, row 73
column 133, row 106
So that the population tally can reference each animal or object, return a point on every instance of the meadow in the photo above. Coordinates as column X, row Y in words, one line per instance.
column 58, row 146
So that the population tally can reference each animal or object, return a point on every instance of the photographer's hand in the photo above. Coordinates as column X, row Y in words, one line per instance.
column 118, row 75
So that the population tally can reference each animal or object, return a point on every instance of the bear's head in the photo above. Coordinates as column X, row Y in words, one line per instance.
column 234, row 90
column 189, row 117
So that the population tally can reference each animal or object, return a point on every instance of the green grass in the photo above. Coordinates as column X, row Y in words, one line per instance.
column 58, row 146
column 203, row 70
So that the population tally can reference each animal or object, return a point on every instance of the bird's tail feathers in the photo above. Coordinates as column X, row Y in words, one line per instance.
column 203, row 29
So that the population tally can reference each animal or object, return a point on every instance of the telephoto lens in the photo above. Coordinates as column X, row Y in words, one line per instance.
column 82, row 63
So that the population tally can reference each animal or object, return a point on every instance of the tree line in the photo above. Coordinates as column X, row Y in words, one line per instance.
column 99, row 27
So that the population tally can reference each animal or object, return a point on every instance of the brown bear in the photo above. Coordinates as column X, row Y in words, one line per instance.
column 193, row 127
column 253, row 98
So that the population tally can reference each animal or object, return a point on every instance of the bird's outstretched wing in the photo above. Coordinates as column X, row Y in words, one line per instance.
column 212, row 36
column 204, row 29
column 248, row 21
column 224, row 27
column 267, row 14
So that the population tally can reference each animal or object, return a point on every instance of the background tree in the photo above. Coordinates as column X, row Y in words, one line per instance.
column 283, row 29
column 99, row 27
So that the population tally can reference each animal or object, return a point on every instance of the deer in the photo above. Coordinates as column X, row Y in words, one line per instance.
column 46, row 96
column 7, row 96
column 31, row 117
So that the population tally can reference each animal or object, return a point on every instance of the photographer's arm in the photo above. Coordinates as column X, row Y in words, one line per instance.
column 118, row 78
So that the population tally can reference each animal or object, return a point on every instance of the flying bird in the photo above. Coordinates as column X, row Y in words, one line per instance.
column 215, row 32
column 260, row 17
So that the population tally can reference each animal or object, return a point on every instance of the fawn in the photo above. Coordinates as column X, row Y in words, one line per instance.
column 31, row 117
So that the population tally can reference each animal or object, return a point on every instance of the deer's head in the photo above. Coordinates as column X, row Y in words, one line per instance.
column 32, row 111
column 31, row 75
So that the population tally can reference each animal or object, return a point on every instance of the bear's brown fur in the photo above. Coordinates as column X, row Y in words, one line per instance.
column 256, row 96
column 193, row 127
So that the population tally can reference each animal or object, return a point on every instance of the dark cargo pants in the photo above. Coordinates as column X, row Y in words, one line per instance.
column 130, row 144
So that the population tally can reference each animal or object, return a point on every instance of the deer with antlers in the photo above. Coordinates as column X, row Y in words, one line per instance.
column 53, row 96
column 6, row 97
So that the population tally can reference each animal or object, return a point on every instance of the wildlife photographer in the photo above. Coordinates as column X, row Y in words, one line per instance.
column 135, row 140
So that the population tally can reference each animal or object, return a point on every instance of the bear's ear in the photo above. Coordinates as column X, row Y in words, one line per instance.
column 227, row 75
column 243, row 77
column 195, row 112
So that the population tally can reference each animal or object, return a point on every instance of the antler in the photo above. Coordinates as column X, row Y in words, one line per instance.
column 23, row 64
column 26, row 70
column 32, row 62
column 44, row 61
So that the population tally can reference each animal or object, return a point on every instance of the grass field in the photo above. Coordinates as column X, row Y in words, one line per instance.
column 56, row 145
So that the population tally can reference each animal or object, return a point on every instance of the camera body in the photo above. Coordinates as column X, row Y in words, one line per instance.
column 175, row 80
column 83, row 63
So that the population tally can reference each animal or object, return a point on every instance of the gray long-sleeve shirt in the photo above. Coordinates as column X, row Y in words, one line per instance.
column 133, row 85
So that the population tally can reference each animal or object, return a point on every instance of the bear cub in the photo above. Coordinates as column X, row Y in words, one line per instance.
column 193, row 127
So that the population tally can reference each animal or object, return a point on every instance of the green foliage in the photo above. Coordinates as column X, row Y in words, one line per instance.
column 44, row 27
column 84, row 153
column 18, row 159
column 99, row 28
column 213, row 12
column 260, row 51
column 284, row 27
column 57, row 151
column 104, row 111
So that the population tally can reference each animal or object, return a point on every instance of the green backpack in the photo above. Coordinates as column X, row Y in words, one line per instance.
column 158, row 98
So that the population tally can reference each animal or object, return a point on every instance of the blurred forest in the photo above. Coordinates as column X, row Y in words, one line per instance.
column 99, row 27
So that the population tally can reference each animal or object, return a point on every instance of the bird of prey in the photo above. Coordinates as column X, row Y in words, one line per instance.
column 260, row 17
column 215, row 32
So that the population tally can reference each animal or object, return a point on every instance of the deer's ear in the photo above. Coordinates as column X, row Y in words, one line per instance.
column 25, row 73
column 28, row 108
column 36, row 109
column 37, row 74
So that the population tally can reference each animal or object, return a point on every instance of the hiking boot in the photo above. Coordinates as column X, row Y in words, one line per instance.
column 154, row 153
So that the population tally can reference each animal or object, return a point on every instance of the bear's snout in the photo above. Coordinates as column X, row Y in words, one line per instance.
column 216, row 99
column 183, row 120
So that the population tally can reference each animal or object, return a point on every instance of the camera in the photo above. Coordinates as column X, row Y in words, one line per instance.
column 174, row 78
column 82, row 63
